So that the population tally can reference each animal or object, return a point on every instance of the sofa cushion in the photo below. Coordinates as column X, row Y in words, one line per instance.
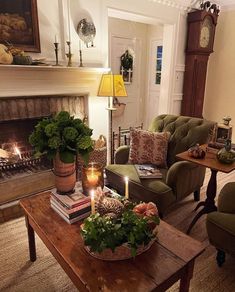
column 148, row 147
column 221, row 231
column 147, row 190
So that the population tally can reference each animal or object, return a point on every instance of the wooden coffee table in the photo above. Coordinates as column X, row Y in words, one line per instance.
column 210, row 160
column 169, row 259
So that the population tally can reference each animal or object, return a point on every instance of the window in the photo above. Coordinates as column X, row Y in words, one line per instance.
column 158, row 65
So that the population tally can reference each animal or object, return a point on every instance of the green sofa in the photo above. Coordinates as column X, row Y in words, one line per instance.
column 180, row 178
column 221, row 224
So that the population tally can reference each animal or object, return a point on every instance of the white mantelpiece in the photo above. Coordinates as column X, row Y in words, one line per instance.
column 40, row 80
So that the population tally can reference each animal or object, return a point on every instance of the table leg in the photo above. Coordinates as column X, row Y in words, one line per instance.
column 31, row 240
column 211, row 192
column 185, row 280
column 209, row 203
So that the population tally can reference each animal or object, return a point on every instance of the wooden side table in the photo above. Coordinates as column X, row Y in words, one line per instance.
column 210, row 161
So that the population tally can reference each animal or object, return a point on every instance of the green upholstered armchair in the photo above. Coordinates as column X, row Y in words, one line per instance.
column 180, row 178
column 221, row 224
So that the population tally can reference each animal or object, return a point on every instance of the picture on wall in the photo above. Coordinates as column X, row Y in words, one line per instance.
column 126, row 68
column 19, row 24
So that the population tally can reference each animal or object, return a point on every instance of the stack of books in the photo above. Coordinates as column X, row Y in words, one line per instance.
column 148, row 171
column 71, row 208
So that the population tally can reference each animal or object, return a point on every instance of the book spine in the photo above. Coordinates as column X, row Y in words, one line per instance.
column 69, row 211
column 73, row 205
column 73, row 215
column 70, row 221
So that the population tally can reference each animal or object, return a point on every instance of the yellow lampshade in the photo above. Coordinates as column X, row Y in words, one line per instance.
column 112, row 85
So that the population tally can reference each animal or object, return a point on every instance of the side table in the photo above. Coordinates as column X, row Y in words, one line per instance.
column 210, row 160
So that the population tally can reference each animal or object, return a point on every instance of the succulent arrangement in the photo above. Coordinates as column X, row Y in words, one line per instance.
column 64, row 134
column 118, row 223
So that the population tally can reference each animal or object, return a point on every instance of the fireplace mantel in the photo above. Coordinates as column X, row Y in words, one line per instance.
column 18, row 80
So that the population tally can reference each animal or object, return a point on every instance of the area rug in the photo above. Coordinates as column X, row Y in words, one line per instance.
column 17, row 273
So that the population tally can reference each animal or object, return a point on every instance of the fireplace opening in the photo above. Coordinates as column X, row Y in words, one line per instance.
column 21, row 174
column 17, row 156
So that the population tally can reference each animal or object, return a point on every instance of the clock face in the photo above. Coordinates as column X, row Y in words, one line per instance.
column 205, row 34
column 204, row 37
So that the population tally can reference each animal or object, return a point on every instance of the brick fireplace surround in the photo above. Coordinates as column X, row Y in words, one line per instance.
column 37, row 92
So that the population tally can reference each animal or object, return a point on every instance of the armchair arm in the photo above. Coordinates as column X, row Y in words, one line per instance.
column 184, row 178
column 226, row 200
column 122, row 154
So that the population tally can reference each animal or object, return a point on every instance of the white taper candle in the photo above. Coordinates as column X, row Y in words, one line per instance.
column 126, row 187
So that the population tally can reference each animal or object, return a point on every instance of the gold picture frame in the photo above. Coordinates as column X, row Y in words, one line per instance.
column 19, row 24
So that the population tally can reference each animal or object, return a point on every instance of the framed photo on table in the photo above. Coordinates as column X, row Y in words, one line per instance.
column 223, row 133
column 19, row 24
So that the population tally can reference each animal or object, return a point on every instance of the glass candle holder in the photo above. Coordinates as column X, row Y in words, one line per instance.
column 92, row 177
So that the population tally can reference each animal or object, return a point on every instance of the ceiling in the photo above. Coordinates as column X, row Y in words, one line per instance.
column 187, row 4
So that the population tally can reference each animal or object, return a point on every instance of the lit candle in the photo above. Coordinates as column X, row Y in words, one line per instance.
column 68, row 4
column 92, row 177
column 55, row 39
column 126, row 187
column 92, row 202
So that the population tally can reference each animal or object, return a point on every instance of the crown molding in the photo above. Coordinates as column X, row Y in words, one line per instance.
column 180, row 4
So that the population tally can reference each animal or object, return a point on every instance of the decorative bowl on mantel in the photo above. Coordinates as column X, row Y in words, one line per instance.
column 119, row 229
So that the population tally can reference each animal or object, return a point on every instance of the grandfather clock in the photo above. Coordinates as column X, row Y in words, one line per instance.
column 200, row 40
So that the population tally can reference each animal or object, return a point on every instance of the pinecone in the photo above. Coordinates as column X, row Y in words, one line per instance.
column 109, row 206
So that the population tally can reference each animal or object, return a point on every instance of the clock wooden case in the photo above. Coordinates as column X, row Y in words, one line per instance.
column 200, row 40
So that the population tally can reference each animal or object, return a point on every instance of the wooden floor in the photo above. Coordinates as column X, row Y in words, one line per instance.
column 182, row 214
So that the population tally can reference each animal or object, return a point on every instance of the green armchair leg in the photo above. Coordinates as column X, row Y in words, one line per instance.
column 220, row 258
column 197, row 195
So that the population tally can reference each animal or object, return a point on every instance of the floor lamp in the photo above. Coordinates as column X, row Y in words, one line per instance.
column 111, row 85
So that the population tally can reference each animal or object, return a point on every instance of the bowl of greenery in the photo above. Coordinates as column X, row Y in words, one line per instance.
column 61, row 138
column 130, row 233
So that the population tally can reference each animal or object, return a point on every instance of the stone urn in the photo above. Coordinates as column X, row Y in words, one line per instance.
column 65, row 176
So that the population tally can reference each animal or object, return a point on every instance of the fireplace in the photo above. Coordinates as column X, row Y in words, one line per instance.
column 21, row 174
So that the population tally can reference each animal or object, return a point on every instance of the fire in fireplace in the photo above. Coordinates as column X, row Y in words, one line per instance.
column 21, row 174
column 16, row 154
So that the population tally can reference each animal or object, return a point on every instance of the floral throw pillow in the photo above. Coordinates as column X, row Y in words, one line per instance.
column 148, row 147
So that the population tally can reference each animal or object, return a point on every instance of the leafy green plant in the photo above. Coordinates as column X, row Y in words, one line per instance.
column 101, row 232
column 64, row 134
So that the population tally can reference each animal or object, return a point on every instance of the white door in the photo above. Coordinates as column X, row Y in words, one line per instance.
column 131, row 114
column 154, row 80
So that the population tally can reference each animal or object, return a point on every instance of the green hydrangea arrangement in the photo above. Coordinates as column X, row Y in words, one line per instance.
column 64, row 134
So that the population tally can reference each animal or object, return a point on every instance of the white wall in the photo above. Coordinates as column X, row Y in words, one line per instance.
column 53, row 20
column 220, row 86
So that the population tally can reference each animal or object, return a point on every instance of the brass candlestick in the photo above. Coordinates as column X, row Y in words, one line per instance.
column 80, row 56
column 69, row 55
column 56, row 54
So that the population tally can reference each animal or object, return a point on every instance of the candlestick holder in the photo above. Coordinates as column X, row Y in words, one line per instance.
column 56, row 54
column 69, row 55
column 80, row 57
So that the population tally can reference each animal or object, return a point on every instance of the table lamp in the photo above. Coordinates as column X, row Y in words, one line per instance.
column 111, row 85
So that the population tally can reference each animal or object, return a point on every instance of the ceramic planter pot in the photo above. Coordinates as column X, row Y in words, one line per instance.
column 65, row 176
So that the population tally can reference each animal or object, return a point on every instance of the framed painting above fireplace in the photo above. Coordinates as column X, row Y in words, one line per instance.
column 19, row 24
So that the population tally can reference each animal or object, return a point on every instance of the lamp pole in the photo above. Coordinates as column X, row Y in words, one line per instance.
column 111, row 108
